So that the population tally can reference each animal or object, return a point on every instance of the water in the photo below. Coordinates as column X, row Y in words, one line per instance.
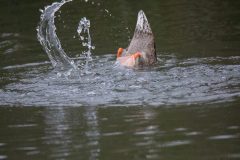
column 84, row 35
column 173, row 82
column 185, row 107
column 46, row 34
column 191, row 132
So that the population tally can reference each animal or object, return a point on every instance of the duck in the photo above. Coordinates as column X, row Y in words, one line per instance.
column 142, row 49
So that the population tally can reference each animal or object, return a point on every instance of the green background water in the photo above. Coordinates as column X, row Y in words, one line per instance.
column 204, row 28
column 186, row 28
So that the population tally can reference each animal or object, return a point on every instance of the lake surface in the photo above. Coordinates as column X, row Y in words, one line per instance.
column 185, row 107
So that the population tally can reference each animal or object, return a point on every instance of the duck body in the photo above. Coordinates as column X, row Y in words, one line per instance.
column 141, row 50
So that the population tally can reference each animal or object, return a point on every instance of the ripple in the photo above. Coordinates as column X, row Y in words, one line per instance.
column 180, row 129
column 106, row 85
column 2, row 144
column 112, row 134
column 3, row 157
column 9, row 42
column 175, row 143
column 22, row 125
column 223, row 137
column 237, row 155
column 33, row 152
column 27, row 148
column 145, row 132
column 194, row 133
column 149, row 130
column 26, row 65
column 233, row 127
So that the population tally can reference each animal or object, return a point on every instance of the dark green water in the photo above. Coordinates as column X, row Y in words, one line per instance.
column 186, row 108
column 184, row 132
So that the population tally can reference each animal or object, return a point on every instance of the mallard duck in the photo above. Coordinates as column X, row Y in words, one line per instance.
column 141, row 50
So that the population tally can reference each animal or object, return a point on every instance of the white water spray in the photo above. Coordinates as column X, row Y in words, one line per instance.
column 84, row 35
column 46, row 34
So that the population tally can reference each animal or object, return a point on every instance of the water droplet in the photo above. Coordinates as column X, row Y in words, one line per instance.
column 59, row 74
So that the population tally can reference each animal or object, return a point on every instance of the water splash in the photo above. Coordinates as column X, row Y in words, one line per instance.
column 176, row 82
column 46, row 34
column 84, row 35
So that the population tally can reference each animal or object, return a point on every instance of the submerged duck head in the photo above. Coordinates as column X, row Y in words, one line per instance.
column 141, row 50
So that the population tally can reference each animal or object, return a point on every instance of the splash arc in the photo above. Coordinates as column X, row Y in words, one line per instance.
column 46, row 34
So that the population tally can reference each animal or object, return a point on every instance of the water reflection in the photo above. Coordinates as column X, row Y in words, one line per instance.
column 57, row 133
column 193, row 133
column 119, row 132
column 175, row 143
column 9, row 43
column 66, row 130
column 92, row 132
column 147, row 135
column 220, row 137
